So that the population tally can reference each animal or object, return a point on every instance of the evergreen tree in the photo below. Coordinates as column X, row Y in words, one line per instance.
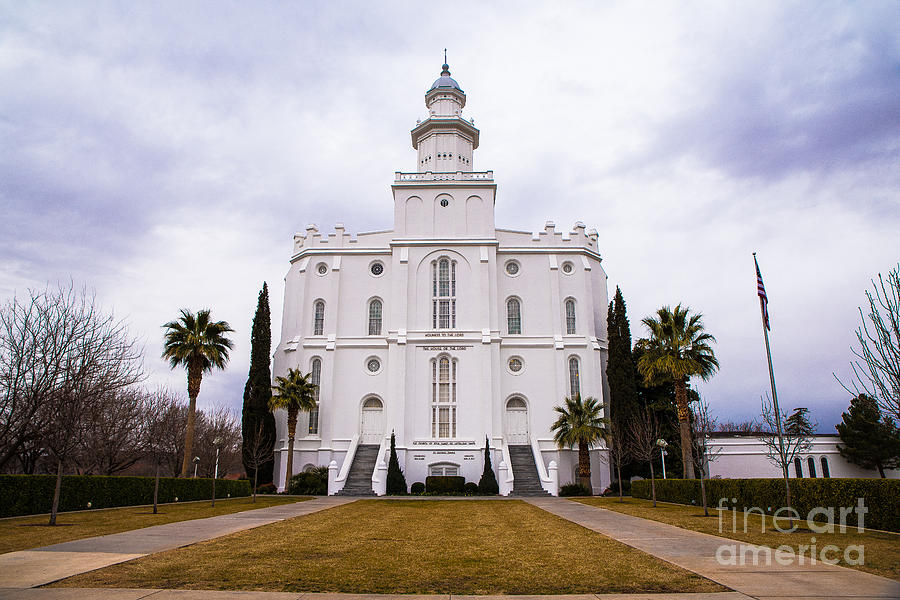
column 621, row 371
column 258, row 392
column 488, row 482
column 396, row 482
column 870, row 439
column 798, row 425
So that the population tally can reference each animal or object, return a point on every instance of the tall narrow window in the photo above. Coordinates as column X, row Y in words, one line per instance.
column 570, row 316
column 812, row 466
column 825, row 471
column 798, row 468
column 443, row 398
column 574, row 378
column 375, row 317
column 315, row 377
column 319, row 318
column 443, row 290
column 513, row 316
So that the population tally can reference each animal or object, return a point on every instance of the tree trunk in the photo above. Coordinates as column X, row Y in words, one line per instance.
column 684, row 423
column 292, row 425
column 195, row 374
column 55, row 507
column 703, row 493
column 787, row 494
column 880, row 469
column 255, row 482
column 619, row 477
column 156, row 489
column 652, row 483
column 584, row 466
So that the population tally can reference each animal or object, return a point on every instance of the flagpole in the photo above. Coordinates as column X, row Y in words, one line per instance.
column 762, row 313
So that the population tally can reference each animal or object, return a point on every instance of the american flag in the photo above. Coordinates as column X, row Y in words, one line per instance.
column 761, row 291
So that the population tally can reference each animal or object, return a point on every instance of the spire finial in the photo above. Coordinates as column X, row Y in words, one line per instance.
column 445, row 68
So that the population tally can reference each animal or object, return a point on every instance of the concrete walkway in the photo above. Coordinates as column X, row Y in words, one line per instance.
column 697, row 552
column 31, row 568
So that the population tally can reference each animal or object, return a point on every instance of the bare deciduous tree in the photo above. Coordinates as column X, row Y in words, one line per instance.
column 795, row 440
column 617, row 450
column 218, row 423
column 257, row 451
column 876, row 369
column 704, row 425
column 643, row 433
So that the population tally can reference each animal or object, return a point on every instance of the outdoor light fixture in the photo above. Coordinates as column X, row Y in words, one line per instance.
column 196, row 462
column 662, row 448
column 216, row 442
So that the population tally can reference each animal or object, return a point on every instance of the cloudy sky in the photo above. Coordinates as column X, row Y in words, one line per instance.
column 164, row 153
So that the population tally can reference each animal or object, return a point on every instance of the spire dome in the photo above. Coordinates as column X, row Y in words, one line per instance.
column 445, row 81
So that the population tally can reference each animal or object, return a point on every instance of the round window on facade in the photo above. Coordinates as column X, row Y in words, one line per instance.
column 445, row 203
column 321, row 268
column 568, row 268
column 373, row 365
column 515, row 365
column 376, row 269
column 512, row 268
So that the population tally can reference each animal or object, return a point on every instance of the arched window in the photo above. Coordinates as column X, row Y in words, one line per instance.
column 443, row 469
column 375, row 317
column 574, row 378
column 443, row 293
column 812, row 466
column 826, row 472
column 513, row 316
column 319, row 318
column 798, row 468
column 570, row 316
column 315, row 377
column 443, row 398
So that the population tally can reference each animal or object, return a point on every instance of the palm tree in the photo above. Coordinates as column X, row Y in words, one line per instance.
column 580, row 424
column 198, row 344
column 293, row 394
column 678, row 348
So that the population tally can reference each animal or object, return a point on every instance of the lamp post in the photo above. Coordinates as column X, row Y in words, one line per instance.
column 196, row 463
column 662, row 448
column 216, row 442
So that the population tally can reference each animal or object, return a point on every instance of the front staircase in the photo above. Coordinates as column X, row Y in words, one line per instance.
column 526, row 481
column 359, row 480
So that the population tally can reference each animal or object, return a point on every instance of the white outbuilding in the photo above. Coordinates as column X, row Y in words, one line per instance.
column 444, row 329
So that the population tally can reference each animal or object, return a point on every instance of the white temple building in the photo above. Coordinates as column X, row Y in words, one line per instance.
column 443, row 329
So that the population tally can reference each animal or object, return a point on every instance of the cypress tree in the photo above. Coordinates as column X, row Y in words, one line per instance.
column 621, row 370
column 258, row 391
column 870, row 439
column 488, row 482
column 396, row 482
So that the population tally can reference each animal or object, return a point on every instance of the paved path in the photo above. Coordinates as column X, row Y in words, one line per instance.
column 697, row 551
column 31, row 568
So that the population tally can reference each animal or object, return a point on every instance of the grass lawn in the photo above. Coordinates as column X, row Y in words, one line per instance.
column 21, row 533
column 882, row 550
column 406, row 547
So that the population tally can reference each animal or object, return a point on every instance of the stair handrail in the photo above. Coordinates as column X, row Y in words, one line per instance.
column 546, row 481
column 509, row 466
column 348, row 460
column 377, row 484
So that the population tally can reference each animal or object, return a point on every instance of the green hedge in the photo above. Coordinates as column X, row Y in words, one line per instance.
column 33, row 494
column 445, row 484
column 882, row 496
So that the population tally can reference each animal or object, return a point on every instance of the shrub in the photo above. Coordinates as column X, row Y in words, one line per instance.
column 881, row 496
column 267, row 488
column 445, row 484
column 417, row 488
column 574, row 489
column 33, row 494
column 471, row 488
column 313, row 482
column 396, row 482
column 613, row 489
column 487, row 485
